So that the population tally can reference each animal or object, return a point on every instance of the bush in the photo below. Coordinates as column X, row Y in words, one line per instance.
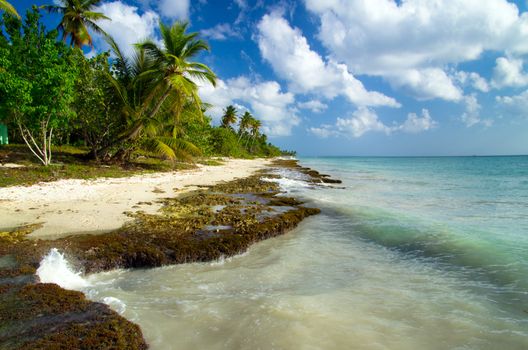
column 225, row 143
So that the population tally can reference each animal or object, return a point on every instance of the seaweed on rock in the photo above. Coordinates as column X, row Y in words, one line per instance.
column 204, row 225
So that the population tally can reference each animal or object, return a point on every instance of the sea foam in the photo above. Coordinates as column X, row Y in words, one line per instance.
column 54, row 268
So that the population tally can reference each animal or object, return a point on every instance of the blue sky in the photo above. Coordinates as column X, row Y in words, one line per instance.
column 358, row 77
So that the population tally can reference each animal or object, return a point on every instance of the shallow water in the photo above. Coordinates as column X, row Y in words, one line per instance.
column 415, row 253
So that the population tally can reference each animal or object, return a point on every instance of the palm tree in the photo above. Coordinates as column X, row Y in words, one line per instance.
column 230, row 117
column 77, row 17
column 255, row 129
column 172, row 71
column 245, row 123
column 7, row 7
column 156, row 88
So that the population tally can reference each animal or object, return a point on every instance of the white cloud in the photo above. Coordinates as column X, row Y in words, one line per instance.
column 175, row 9
column 415, row 124
column 472, row 79
column 517, row 104
column 221, row 31
column 291, row 57
column 426, row 83
column 127, row 26
column 324, row 131
column 365, row 120
column 509, row 72
column 315, row 106
column 471, row 116
column 265, row 99
column 407, row 42
column 362, row 121
column 241, row 3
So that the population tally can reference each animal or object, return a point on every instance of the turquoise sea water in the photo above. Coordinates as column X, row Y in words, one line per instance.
column 467, row 214
column 413, row 253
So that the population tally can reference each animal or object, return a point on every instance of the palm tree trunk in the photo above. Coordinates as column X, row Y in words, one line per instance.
column 160, row 103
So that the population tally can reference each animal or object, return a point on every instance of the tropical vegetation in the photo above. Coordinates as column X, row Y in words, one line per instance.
column 36, row 83
column 117, row 108
column 77, row 17
column 7, row 7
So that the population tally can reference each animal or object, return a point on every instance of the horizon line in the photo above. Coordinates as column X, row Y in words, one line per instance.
column 415, row 156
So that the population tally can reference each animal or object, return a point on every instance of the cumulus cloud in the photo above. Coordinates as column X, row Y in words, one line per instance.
column 508, row 72
column 127, row 26
column 415, row 124
column 222, row 31
column 365, row 120
column 291, row 57
column 315, row 106
column 175, row 9
column 516, row 104
column 324, row 131
column 407, row 41
column 426, row 83
column 472, row 79
column 362, row 121
column 265, row 99
column 471, row 116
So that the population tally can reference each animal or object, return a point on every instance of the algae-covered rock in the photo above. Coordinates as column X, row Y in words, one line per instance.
column 204, row 225
column 45, row 316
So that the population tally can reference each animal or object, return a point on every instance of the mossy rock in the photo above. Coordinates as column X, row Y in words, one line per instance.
column 45, row 316
column 35, row 316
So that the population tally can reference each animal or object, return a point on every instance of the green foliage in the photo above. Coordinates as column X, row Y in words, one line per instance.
column 119, row 108
column 245, row 124
column 97, row 110
column 36, row 84
column 70, row 163
column 289, row 153
column 8, row 8
column 199, row 132
column 230, row 117
column 157, row 95
column 225, row 143
column 77, row 17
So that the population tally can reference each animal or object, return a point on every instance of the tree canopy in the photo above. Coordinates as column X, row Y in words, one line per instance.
column 37, row 82
column 119, row 107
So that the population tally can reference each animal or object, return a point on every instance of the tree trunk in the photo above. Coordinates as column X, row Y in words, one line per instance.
column 42, row 151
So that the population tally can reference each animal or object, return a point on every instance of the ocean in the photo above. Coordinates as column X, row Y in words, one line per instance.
column 409, row 253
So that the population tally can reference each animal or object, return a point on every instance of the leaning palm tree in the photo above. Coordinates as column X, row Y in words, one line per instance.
column 8, row 8
column 156, row 88
column 77, row 17
column 230, row 117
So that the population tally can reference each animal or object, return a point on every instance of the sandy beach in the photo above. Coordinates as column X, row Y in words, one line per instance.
column 92, row 206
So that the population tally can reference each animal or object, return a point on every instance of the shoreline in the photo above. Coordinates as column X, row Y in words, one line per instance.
column 97, row 206
column 208, row 223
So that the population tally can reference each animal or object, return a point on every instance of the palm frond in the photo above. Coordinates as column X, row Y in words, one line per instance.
column 158, row 147
column 95, row 16
column 51, row 8
column 182, row 148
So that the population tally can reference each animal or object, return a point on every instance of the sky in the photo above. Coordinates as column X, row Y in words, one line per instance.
column 356, row 77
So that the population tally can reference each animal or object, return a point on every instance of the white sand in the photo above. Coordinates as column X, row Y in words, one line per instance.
column 89, row 206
